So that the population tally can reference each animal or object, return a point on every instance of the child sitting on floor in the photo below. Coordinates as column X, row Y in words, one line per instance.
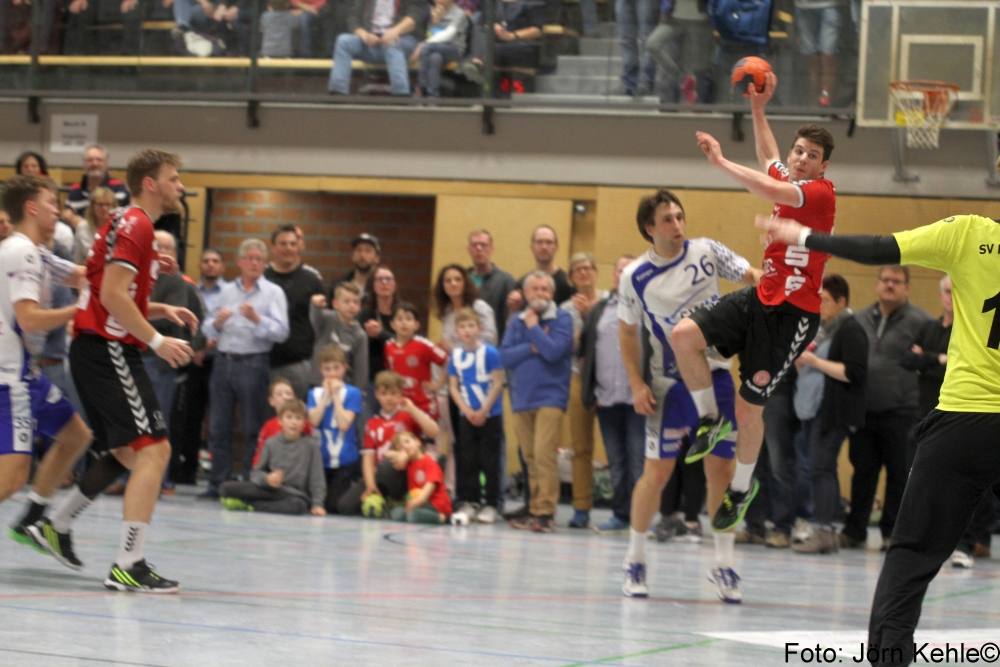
column 280, row 391
column 288, row 479
column 427, row 500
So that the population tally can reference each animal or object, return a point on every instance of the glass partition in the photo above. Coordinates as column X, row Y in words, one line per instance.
column 652, row 55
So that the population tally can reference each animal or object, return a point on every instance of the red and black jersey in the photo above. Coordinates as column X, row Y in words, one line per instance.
column 127, row 239
column 795, row 273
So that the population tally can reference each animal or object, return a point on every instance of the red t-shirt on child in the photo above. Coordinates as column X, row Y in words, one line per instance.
column 424, row 470
column 379, row 431
column 270, row 429
column 413, row 361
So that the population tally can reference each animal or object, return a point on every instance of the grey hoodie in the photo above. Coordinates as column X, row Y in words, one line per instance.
column 351, row 338
column 302, row 463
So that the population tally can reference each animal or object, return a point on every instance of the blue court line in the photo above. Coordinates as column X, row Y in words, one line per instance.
column 298, row 635
column 111, row 661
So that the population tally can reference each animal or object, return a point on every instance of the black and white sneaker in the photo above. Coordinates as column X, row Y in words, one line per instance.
column 139, row 578
column 710, row 431
column 60, row 545
column 734, row 507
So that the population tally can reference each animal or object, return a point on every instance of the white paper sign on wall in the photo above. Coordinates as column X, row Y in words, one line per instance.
column 72, row 133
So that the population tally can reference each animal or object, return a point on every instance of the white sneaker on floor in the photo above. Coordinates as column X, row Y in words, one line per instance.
column 727, row 584
column 468, row 509
column 962, row 560
column 488, row 514
column 634, row 585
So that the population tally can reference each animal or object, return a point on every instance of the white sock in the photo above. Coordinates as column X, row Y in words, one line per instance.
column 35, row 498
column 636, row 547
column 704, row 402
column 72, row 506
column 741, row 480
column 724, row 549
column 133, row 541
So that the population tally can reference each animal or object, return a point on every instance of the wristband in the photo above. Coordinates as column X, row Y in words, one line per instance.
column 803, row 235
column 155, row 342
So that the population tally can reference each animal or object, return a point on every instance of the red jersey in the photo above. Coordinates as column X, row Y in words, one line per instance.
column 413, row 361
column 379, row 431
column 270, row 429
column 795, row 273
column 127, row 239
column 424, row 470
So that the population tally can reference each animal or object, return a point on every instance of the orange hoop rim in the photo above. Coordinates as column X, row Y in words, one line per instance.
column 923, row 86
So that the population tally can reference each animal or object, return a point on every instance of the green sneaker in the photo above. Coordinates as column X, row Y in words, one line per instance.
column 139, row 578
column 235, row 505
column 734, row 507
column 59, row 545
column 710, row 432
column 20, row 534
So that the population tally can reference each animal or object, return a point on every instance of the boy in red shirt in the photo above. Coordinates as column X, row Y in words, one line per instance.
column 397, row 415
column 427, row 500
column 768, row 326
column 411, row 356
column 281, row 391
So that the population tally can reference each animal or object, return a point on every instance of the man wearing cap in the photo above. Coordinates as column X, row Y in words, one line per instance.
column 366, row 257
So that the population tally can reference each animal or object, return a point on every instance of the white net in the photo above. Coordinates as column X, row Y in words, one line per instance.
column 922, row 106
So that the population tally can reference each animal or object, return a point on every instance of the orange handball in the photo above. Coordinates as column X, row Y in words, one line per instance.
column 750, row 70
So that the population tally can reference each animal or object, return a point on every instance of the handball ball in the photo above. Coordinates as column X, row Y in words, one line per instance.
column 750, row 70
column 373, row 506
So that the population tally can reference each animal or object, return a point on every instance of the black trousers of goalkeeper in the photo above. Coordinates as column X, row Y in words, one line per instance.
column 957, row 462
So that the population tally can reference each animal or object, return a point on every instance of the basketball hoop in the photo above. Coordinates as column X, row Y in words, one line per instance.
column 922, row 107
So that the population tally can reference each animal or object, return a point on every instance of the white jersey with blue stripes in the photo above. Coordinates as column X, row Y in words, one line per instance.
column 661, row 291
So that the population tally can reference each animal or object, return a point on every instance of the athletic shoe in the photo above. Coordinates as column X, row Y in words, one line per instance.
column 472, row 71
column 634, row 585
column 962, row 560
column 613, row 526
column 581, row 519
column 734, row 507
column 824, row 98
column 469, row 510
column 821, row 541
column 686, row 533
column 689, row 89
column 848, row 542
column 60, row 545
column 139, row 578
column 523, row 523
column 20, row 534
column 775, row 539
column 666, row 528
column 544, row 524
column 801, row 531
column 488, row 514
column 748, row 537
column 710, row 431
column 727, row 584
column 981, row 550
column 236, row 505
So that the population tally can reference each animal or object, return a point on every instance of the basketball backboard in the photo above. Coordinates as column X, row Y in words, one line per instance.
column 940, row 40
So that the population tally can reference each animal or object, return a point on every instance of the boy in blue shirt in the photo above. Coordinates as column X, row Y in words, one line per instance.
column 333, row 406
column 476, row 379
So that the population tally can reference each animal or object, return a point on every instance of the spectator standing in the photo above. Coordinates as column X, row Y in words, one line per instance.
column 537, row 350
column 892, row 325
column 636, row 20
column 817, row 24
column 836, row 364
column 193, row 397
column 376, row 319
column 582, row 273
column 604, row 387
column 682, row 46
column 365, row 256
column 173, row 290
column 340, row 327
column 788, row 464
column 454, row 290
column 95, row 175
column 445, row 44
column 102, row 202
column 518, row 33
column 544, row 246
column 380, row 31
column 291, row 359
column 250, row 317
column 30, row 163
column 493, row 283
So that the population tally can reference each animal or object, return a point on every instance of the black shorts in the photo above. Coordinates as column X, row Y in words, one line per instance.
column 768, row 338
column 116, row 392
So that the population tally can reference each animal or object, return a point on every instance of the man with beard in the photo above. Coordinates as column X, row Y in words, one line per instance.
column 95, row 175
column 544, row 246
column 366, row 256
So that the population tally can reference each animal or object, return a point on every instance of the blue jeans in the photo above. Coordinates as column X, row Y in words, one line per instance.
column 432, row 58
column 588, row 12
column 350, row 46
column 164, row 384
column 781, row 429
column 624, row 433
column 233, row 381
column 818, row 29
column 306, row 22
column 636, row 19
column 188, row 13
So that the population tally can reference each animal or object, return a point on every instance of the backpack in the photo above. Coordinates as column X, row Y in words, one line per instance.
column 741, row 20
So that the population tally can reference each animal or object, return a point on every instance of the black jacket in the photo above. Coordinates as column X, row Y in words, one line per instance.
column 843, row 403
column 933, row 339
column 891, row 386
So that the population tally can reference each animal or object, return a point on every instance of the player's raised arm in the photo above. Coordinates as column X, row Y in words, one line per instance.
column 767, row 147
column 860, row 248
column 754, row 181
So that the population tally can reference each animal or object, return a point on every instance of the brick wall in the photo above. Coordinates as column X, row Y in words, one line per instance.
column 404, row 226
